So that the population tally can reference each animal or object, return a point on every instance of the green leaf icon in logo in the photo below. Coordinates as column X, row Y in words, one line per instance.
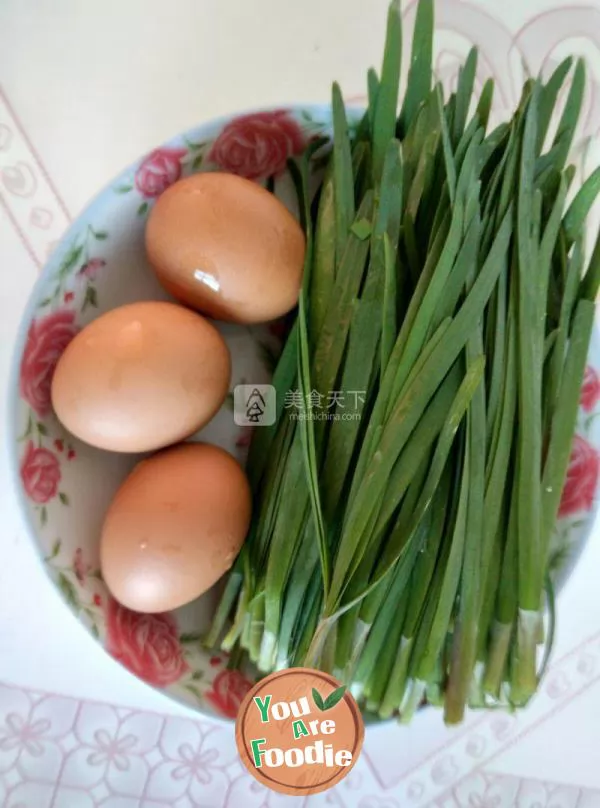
column 317, row 699
column 332, row 699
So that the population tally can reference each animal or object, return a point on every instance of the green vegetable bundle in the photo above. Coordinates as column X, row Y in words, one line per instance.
column 407, row 551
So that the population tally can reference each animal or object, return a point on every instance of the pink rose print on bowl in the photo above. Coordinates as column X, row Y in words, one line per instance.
column 147, row 644
column 161, row 168
column 91, row 268
column 47, row 338
column 228, row 691
column 244, row 438
column 582, row 478
column 590, row 390
column 40, row 474
column 80, row 567
column 258, row 145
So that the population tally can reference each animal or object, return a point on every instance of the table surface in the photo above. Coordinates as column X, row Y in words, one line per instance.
column 85, row 89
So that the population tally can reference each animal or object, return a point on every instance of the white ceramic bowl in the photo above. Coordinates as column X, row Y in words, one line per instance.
column 64, row 486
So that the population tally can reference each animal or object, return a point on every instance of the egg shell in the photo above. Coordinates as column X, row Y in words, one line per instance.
column 227, row 247
column 174, row 527
column 141, row 377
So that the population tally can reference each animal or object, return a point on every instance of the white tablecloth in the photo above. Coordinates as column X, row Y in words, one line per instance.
column 85, row 88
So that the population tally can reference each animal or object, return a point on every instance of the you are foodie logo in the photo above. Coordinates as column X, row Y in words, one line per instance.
column 299, row 731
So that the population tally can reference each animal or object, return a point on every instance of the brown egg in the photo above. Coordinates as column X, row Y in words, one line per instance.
column 141, row 377
column 174, row 527
column 226, row 246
